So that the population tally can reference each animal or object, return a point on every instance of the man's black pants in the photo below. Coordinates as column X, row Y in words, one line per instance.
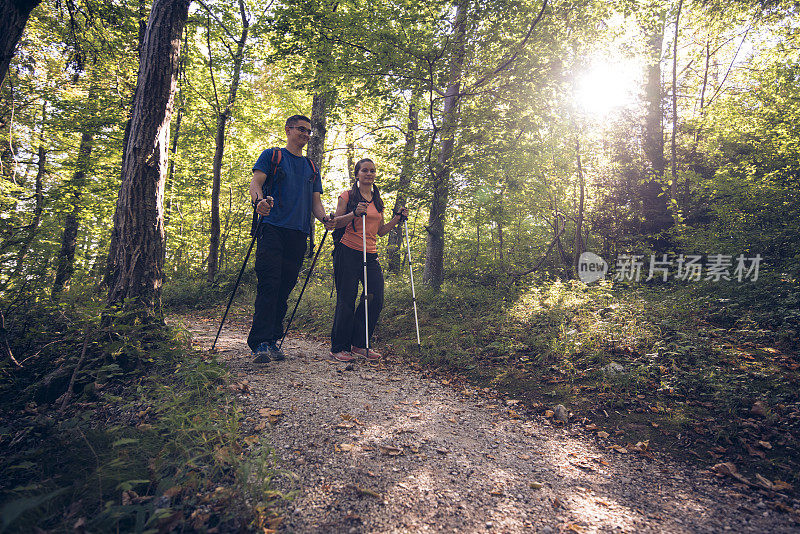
column 279, row 256
column 348, row 321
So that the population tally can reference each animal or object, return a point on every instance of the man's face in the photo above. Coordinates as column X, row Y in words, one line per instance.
column 298, row 133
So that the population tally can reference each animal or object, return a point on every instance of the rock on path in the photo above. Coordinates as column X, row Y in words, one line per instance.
column 380, row 448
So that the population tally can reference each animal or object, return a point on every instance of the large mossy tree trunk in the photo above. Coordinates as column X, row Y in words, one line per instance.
column 14, row 15
column 433, row 275
column 137, row 242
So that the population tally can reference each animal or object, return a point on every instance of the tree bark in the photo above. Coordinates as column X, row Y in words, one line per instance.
column 655, row 215
column 393, row 257
column 579, row 247
column 41, row 169
column 673, row 189
column 219, row 140
column 66, row 256
column 14, row 15
column 138, row 236
column 316, row 145
column 433, row 275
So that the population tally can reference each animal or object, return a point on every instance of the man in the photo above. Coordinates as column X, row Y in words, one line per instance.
column 282, row 233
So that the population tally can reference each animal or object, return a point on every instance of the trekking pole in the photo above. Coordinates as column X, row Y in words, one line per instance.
column 236, row 286
column 413, row 294
column 366, row 294
column 310, row 270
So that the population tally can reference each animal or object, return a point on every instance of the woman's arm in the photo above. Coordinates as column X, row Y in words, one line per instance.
column 384, row 229
column 341, row 218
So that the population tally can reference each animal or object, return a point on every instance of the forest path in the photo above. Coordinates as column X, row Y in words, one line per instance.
column 381, row 448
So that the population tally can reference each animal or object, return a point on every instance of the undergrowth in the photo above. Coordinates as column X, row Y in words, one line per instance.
column 146, row 439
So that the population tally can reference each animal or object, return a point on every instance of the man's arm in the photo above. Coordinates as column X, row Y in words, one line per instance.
column 318, row 208
column 257, row 196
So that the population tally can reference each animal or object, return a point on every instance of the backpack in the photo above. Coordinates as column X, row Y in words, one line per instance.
column 274, row 177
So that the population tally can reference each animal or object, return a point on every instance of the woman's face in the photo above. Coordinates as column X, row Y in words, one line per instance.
column 366, row 173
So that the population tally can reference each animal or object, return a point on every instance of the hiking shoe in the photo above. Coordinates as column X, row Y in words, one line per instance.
column 275, row 353
column 373, row 355
column 262, row 353
column 342, row 356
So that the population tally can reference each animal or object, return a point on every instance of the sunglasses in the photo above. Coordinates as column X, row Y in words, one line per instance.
column 303, row 129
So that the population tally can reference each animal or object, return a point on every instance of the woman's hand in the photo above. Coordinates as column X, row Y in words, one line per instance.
column 361, row 209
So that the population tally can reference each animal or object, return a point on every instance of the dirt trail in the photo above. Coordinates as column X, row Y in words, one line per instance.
column 380, row 448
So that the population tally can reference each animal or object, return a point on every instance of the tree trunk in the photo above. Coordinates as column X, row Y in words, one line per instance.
column 14, row 15
column 222, row 120
column 138, row 236
column 316, row 146
column 66, row 256
column 393, row 257
column 41, row 169
column 433, row 275
column 655, row 215
column 580, row 246
column 673, row 189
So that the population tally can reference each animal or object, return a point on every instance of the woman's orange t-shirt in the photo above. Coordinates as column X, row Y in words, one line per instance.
column 353, row 238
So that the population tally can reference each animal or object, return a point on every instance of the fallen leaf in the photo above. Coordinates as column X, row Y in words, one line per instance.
column 619, row 449
column 572, row 527
column 369, row 492
column 523, row 456
column 556, row 503
column 591, row 427
column 511, row 402
column 729, row 469
column 780, row 485
column 346, row 447
column 535, row 485
column 390, row 450
column 641, row 446
column 754, row 452
column 549, row 413
column 763, row 481
column 602, row 434
column 765, row 444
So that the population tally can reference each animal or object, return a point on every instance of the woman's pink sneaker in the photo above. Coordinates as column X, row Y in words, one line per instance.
column 342, row 356
column 373, row 355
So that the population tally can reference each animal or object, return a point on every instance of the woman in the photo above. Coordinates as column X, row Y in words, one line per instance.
column 348, row 339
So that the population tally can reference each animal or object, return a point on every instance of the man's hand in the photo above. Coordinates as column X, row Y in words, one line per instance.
column 264, row 206
column 330, row 222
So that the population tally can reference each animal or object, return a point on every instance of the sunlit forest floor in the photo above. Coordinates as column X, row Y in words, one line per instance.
column 707, row 373
column 152, row 434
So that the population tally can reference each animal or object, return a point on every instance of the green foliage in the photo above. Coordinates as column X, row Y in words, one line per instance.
column 149, row 435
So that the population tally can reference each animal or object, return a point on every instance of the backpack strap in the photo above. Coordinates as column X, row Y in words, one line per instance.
column 268, row 188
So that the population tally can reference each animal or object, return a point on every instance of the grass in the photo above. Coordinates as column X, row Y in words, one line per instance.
column 151, row 439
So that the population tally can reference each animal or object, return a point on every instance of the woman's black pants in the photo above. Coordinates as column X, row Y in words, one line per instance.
column 348, row 320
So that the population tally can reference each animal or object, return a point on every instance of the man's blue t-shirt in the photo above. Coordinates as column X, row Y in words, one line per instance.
column 292, row 193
